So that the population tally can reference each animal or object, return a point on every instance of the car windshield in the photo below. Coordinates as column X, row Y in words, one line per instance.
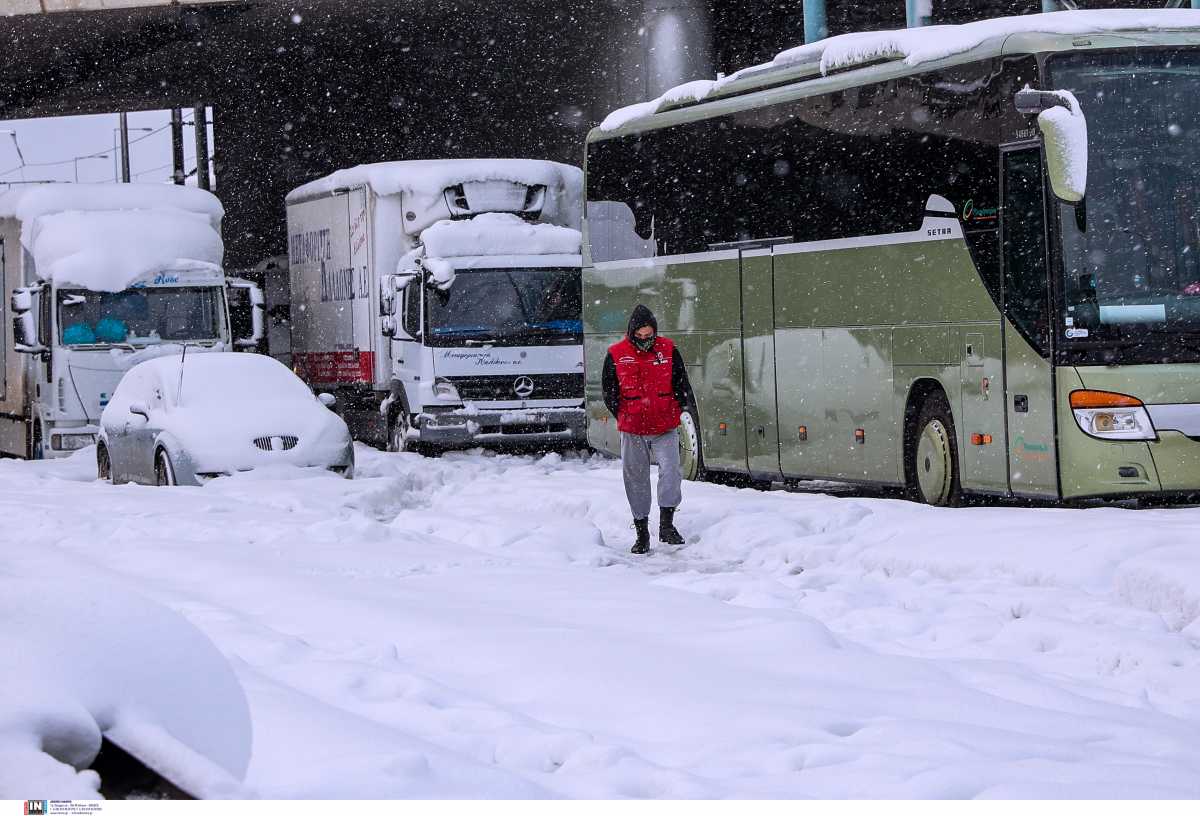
column 1132, row 276
column 526, row 306
column 140, row 317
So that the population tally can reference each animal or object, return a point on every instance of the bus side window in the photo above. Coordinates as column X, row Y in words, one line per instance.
column 1025, row 278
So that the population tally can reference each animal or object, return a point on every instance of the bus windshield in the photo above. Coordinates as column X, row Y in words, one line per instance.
column 1132, row 276
column 525, row 306
column 140, row 317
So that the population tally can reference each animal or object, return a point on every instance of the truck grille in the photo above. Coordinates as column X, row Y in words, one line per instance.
column 504, row 387
column 276, row 443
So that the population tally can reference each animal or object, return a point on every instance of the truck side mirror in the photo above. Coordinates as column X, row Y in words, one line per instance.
column 257, row 314
column 1064, row 132
column 24, row 323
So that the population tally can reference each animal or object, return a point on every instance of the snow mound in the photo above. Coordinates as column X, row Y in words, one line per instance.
column 916, row 46
column 108, row 251
column 498, row 234
column 79, row 661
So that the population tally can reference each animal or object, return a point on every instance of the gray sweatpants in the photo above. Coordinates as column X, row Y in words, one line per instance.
column 636, row 452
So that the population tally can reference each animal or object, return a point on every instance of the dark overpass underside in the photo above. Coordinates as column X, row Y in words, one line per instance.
column 303, row 88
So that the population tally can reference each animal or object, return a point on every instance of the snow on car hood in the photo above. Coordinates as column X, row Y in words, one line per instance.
column 81, row 660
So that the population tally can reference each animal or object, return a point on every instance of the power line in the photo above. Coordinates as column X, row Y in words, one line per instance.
column 97, row 154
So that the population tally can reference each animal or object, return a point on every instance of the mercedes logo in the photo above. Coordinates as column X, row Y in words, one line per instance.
column 523, row 386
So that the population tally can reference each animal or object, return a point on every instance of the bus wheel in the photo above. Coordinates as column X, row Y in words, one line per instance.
column 932, row 460
column 103, row 463
column 691, row 458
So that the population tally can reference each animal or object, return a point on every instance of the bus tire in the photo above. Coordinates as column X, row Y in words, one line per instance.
column 691, row 454
column 931, row 461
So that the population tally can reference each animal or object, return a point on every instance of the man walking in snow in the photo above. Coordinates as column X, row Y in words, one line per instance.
column 645, row 388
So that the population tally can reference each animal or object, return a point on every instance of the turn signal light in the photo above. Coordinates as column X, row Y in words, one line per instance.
column 723, row 428
column 981, row 439
column 803, row 433
column 860, row 436
column 1103, row 399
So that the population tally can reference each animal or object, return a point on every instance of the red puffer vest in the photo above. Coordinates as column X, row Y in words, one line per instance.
column 648, row 405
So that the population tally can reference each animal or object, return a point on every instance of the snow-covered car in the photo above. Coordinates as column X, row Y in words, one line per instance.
column 188, row 418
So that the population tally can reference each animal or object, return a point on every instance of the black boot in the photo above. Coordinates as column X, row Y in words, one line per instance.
column 667, row 533
column 642, row 545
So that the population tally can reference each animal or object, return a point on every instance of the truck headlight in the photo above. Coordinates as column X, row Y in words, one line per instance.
column 1106, row 415
column 443, row 389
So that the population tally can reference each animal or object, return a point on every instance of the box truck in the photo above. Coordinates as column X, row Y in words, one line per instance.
column 102, row 276
column 440, row 300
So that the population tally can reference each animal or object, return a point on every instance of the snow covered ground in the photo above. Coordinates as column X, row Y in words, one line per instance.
column 473, row 626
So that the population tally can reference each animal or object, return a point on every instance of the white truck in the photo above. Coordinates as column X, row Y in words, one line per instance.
column 440, row 300
column 102, row 276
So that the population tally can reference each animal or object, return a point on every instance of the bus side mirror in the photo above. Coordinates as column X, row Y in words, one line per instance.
column 1064, row 132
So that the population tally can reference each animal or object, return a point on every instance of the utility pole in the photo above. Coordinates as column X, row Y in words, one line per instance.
column 177, row 144
column 124, row 118
column 200, row 118
column 816, row 22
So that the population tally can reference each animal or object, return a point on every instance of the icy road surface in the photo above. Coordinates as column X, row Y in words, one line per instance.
column 473, row 626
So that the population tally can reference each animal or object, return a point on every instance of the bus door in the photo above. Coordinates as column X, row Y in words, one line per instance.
column 1029, row 380
column 758, row 359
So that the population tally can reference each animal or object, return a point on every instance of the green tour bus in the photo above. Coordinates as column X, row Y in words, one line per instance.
column 960, row 259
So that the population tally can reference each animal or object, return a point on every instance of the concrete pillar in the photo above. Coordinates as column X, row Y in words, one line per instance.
column 678, row 43
column 816, row 22
column 918, row 12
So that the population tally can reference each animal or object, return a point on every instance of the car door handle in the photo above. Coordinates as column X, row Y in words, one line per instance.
column 1021, row 403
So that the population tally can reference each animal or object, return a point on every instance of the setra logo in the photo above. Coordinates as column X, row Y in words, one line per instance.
column 36, row 807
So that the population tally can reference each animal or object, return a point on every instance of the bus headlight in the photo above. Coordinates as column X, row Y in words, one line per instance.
column 1106, row 415
column 444, row 390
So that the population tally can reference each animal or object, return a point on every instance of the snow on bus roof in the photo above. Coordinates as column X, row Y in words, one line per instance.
column 433, row 176
column 916, row 46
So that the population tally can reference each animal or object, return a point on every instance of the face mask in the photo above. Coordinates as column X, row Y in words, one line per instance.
column 644, row 345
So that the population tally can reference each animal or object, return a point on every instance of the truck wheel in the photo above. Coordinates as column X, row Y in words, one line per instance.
column 397, row 440
column 37, row 448
column 103, row 463
column 691, row 457
column 932, row 458
column 164, row 474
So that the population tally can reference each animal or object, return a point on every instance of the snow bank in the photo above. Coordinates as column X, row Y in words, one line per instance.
column 498, row 234
column 918, row 46
column 80, row 659
column 108, row 251
column 423, row 184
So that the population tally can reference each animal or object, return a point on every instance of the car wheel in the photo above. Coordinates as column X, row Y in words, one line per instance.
column 164, row 473
column 103, row 463
column 691, row 457
column 932, row 461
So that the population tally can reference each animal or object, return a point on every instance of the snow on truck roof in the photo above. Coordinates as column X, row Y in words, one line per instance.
column 913, row 46
column 498, row 234
column 104, row 237
column 433, row 176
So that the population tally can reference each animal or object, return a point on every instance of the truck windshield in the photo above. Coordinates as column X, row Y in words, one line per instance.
column 1132, row 277
column 518, row 306
column 140, row 317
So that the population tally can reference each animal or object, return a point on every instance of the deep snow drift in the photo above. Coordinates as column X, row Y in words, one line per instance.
column 474, row 626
